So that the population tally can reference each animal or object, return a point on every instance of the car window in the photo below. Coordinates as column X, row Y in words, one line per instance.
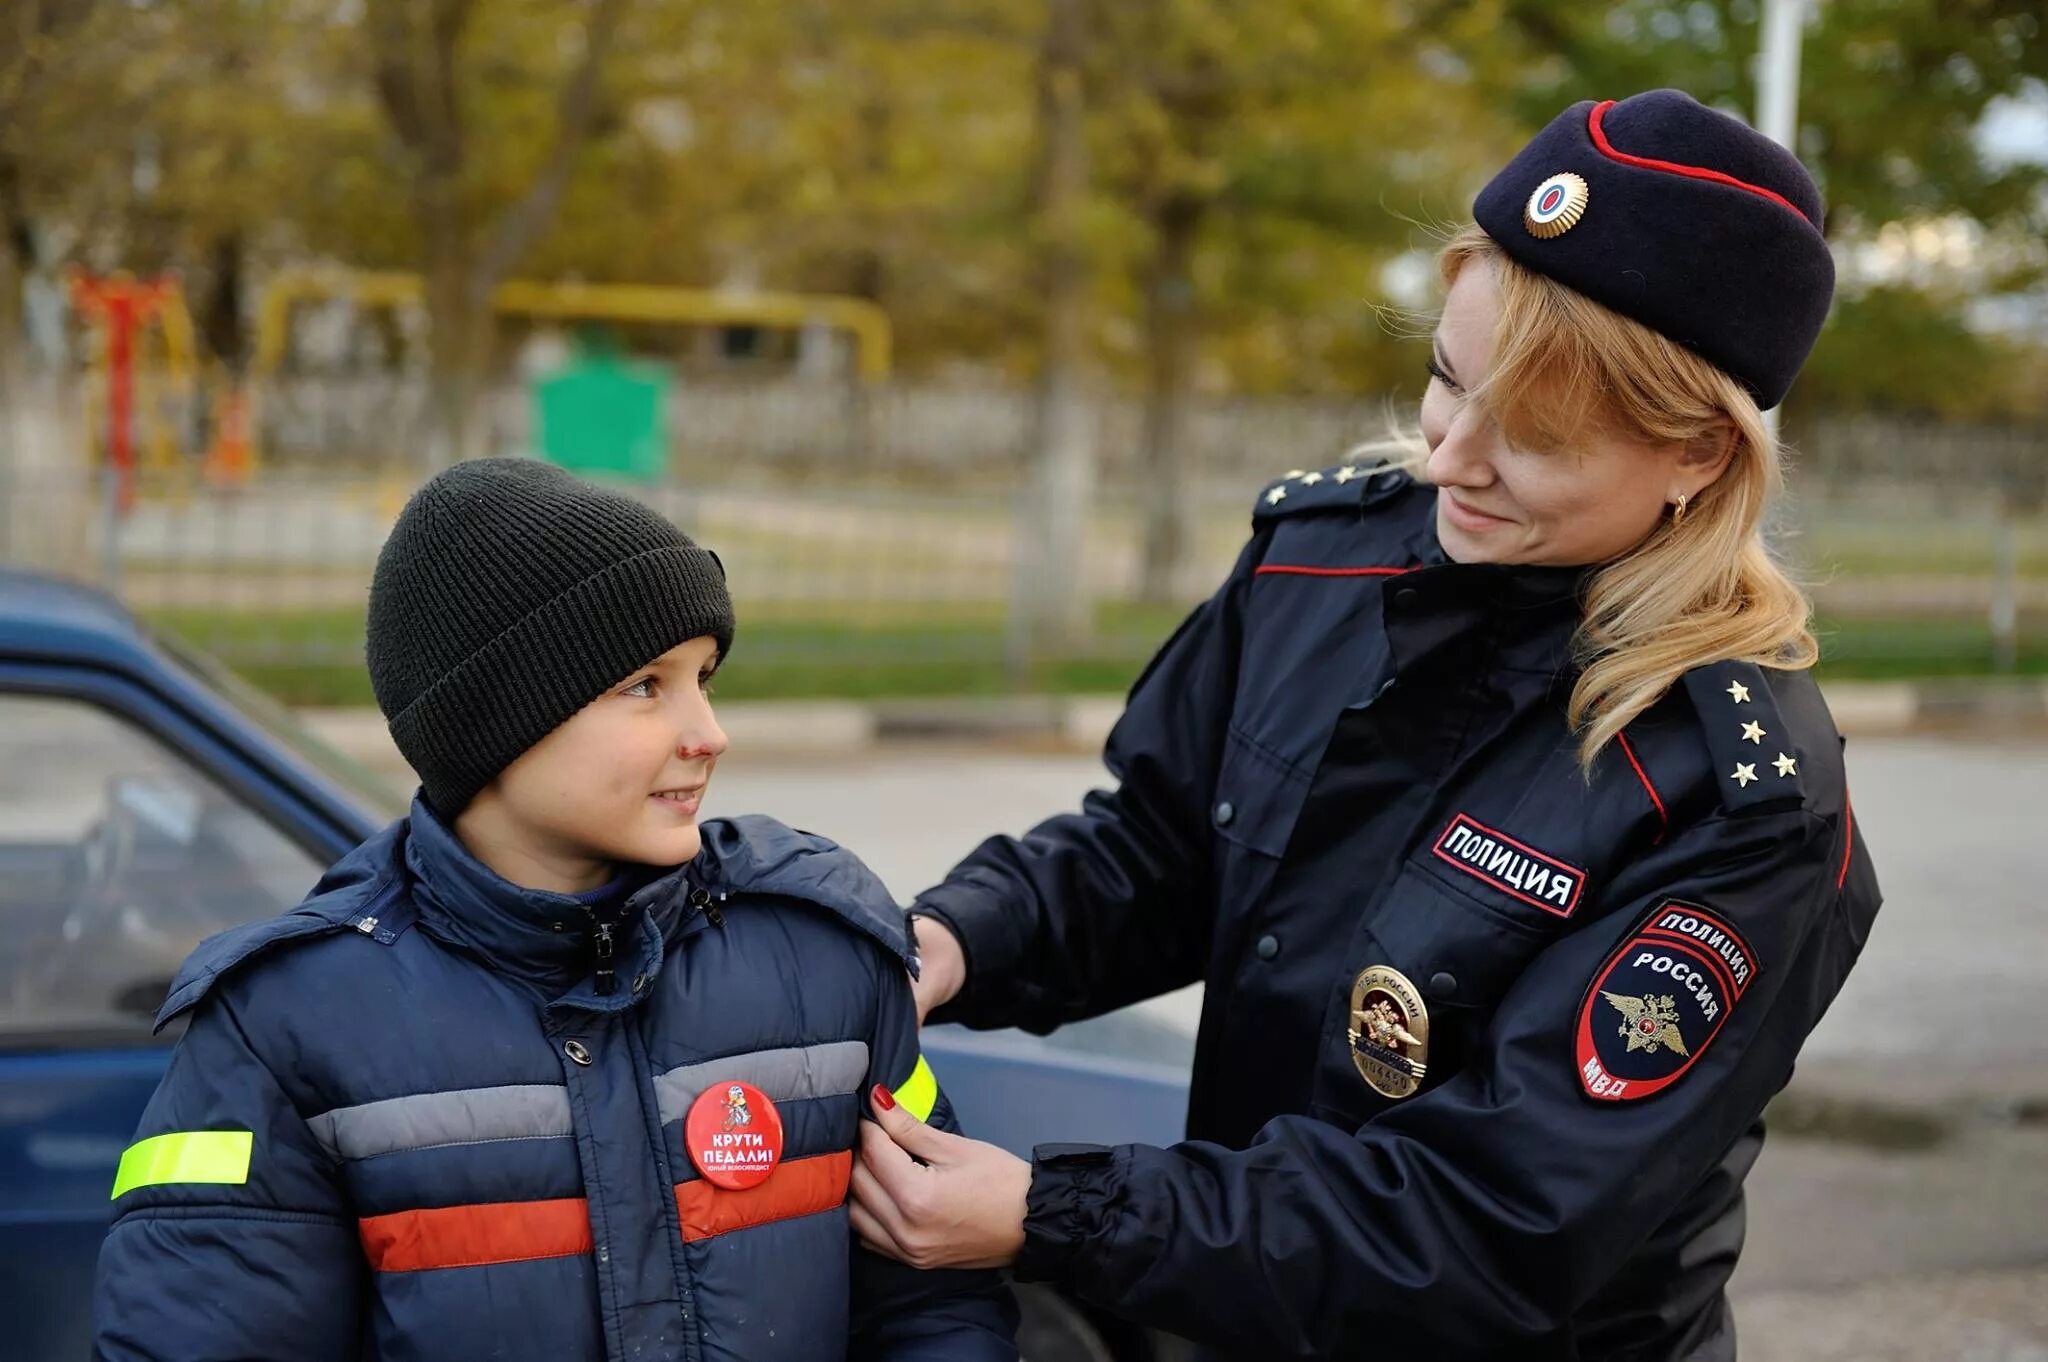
column 277, row 721
column 117, row 857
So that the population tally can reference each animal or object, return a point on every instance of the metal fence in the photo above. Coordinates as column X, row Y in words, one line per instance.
column 873, row 534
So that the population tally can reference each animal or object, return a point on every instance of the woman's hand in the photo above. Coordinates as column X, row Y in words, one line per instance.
column 942, row 967
column 962, row 1206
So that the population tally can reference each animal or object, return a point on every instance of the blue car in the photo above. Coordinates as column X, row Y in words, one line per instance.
column 149, row 799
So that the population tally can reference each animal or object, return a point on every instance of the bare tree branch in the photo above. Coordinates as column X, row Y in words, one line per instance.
column 524, row 221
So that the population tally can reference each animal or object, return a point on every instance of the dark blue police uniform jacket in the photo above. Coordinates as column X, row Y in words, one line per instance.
column 1351, row 804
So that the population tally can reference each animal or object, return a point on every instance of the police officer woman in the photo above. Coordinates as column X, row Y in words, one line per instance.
column 1496, row 808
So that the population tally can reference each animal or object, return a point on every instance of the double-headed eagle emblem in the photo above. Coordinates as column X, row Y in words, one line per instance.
column 1648, row 1021
column 1381, row 1024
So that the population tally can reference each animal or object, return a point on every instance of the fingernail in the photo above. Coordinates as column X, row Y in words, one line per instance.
column 883, row 1099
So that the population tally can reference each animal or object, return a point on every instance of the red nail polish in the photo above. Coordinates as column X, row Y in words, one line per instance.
column 883, row 1099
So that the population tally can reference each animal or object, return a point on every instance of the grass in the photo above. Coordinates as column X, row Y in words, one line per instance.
column 878, row 650
column 873, row 650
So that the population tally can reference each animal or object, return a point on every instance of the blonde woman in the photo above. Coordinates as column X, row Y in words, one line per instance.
column 1495, row 805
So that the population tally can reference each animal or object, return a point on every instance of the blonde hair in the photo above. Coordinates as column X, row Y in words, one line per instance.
column 1698, row 589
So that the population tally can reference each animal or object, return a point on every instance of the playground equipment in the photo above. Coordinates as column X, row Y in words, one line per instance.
column 121, row 309
column 863, row 321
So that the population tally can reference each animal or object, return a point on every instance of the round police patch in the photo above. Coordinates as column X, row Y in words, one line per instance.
column 1556, row 205
column 1659, row 1002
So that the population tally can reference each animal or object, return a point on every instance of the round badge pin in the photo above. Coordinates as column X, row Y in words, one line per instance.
column 1389, row 1031
column 1557, row 205
column 734, row 1135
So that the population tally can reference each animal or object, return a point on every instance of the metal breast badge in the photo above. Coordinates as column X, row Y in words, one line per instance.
column 1389, row 1031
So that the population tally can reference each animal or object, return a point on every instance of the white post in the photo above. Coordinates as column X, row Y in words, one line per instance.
column 1777, row 92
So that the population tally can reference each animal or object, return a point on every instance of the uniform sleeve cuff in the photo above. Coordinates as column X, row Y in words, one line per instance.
column 974, row 1005
column 1075, row 1189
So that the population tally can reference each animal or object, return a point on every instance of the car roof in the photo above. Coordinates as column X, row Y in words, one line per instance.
column 53, row 620
column 47, row 615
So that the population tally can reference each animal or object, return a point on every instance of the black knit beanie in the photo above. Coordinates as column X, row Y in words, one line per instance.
column 1681, row 217
column 510, row 595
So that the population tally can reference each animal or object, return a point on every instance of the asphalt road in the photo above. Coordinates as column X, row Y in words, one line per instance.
column 1859, row 1248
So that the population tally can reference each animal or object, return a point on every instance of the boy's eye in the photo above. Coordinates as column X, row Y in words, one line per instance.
column 643, row 689
column 704, row 680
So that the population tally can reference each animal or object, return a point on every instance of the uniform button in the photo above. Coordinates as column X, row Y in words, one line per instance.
column 1406, row 598
column 1443, row 983
column 1224, row 813
column 575, row 1050
column 1268, row 947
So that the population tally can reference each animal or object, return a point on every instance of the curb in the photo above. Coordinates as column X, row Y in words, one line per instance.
column 1080, row 723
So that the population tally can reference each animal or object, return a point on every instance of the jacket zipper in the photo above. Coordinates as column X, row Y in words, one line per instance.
column 607, row 977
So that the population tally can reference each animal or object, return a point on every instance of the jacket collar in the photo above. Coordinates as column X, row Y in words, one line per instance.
column 550, row 940
column 1530, row 612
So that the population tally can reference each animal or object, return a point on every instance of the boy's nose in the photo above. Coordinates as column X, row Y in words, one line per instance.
column 707, row 741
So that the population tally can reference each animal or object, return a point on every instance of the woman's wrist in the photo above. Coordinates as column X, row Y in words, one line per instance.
column 942, row 962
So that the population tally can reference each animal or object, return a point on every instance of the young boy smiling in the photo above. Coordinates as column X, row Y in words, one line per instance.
column 546, row 1069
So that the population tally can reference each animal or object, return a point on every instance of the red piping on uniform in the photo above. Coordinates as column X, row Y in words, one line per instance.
column 1644, row 777
column 1674, row 168
column 1848, row 839
column 1293, row 570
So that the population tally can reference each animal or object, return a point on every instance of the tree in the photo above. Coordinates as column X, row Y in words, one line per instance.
column 35, row 51
column 1273, row 154
column 468, row 246
column 1052, row 596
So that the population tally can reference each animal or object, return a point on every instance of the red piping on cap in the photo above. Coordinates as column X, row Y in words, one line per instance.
column 1673, row 168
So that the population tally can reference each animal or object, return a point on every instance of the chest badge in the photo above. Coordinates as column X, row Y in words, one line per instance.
column 1389, row 1031
column 734, row 1135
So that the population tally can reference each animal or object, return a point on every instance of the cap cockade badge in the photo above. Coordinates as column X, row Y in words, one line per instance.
column 1389, row 1031
column 1556, row 206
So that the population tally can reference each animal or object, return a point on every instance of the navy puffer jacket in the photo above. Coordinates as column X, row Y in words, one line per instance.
column 418, row 1117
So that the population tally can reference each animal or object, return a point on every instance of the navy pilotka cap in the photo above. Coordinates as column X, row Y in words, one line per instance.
column 1679, row 217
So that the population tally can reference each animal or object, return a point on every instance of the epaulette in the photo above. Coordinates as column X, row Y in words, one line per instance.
column 1352, row 485
column 1755, row 760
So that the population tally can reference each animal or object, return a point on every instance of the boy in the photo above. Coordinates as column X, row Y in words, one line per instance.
column 544, row 1070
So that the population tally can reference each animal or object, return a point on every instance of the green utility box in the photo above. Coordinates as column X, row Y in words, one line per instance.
column 605, row 416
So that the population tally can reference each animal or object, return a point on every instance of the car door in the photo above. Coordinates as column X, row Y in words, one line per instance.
column 129, row 831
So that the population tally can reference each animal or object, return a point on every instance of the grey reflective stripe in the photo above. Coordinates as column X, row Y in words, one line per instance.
column 784, row 1075
column 432, row 1119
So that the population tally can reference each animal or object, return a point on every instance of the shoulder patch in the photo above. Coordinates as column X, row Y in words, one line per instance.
column 1346, row 485
column 1659, row 1001
column 1755, row 759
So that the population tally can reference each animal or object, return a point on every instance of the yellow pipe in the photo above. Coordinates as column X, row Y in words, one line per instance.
column 866, row 322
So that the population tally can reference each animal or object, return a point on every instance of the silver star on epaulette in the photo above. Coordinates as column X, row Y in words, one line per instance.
column 1295, row 473
column 1786, row 765
column 1753, row 732
column 1311, row 479
column 1347, row 473
column 1276, row 496
column 1745, row 772
column 1739, row 691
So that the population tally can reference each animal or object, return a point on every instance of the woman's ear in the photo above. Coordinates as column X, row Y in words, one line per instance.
column 1706, row 455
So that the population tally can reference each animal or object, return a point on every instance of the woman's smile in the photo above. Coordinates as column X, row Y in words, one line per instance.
column 1469, row 518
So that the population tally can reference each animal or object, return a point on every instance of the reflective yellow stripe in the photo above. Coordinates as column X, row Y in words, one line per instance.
column 192, row 1156
column 920, row 1092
